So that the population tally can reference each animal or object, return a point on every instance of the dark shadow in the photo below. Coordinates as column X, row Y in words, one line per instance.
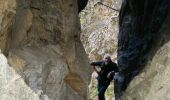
column 144, row 27
column 81, row 4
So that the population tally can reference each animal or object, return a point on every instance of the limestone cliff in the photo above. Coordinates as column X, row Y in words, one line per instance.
column 99, row 24
column 12, row 85
column 144, row 49
column 41, row 40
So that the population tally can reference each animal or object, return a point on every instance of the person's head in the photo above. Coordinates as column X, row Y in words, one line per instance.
column 107, row 59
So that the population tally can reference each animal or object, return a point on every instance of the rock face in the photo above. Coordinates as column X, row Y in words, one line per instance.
column 99, row 21
column 7, row 16
column 12, row 85
column 144, row 30
column 153, row 82
column 42, row 42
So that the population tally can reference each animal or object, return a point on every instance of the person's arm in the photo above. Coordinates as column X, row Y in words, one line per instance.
column 99, row 63
column 95, row 69
column 114, row 69
column 110, row 74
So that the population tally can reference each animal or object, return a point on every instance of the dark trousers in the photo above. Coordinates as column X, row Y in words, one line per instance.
column 102, row 86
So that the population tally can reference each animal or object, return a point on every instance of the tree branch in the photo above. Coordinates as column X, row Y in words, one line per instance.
column 108, row 6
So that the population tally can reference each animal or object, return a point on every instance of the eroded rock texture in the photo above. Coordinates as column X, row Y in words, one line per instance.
column 99, row 21
column 42, row 42
column 144, row 28
column 12, row 86
column 7, row 16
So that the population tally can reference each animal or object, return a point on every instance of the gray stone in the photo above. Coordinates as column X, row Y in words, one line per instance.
column 42, row 44
column 99, row 24
column 144, row 32
column 12, row 85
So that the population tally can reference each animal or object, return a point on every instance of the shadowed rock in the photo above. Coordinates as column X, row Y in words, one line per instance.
column 82, row 4
column 144, row 28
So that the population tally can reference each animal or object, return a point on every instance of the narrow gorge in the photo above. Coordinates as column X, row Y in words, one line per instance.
column 46, row 47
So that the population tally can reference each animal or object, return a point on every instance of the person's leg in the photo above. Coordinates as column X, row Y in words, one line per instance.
column 99, row 88
column 102, row 90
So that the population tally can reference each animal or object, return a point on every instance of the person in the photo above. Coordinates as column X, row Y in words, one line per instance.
column 105, row 75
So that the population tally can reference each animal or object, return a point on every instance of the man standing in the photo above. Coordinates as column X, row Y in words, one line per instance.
column 105, row 75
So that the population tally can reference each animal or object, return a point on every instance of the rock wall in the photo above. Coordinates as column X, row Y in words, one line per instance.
column 7, row 18
column 12, row 85
column 99, row 24
column 153, row 82
column 143, row 48
column 41, row 40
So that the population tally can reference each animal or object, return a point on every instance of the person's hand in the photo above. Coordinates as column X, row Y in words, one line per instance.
column 109, row 74
column 95, row 69
column 92, row 63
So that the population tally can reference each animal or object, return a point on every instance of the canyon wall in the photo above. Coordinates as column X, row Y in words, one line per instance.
column 143, row 49
column 99, row 24
column 41, row 40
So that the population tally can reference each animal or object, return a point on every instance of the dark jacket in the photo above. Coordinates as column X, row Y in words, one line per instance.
column 105, row 69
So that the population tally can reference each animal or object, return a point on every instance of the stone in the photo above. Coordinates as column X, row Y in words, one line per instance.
column 99, row 24
column 7, row 16
column 144, row 31
column 42, row 43
column 12, row 85
column 153, row 82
